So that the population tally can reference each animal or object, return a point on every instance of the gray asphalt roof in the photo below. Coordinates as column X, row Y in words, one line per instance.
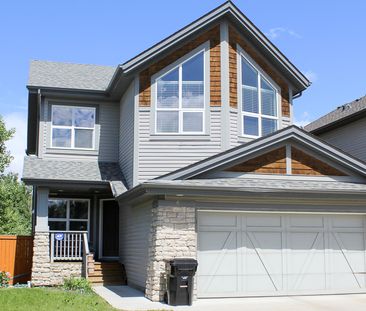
column 69, row 76
column 70, row 170
column 339, row 114
column 264, row 185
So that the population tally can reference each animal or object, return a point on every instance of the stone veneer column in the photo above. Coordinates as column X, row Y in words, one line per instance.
column 41, row 243
column 41, row 267
column 173, row 234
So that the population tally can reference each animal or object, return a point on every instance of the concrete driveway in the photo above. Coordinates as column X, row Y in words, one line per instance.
column 126, row 298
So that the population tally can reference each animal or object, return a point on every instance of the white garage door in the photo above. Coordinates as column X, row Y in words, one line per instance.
column 244, row 254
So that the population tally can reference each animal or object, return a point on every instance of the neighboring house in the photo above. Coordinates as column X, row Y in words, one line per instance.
column 344, row 127
column 187, row 150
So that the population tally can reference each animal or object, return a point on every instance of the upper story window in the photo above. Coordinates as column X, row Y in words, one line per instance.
column 259, row 102
column 180, row 98
column 73, row 127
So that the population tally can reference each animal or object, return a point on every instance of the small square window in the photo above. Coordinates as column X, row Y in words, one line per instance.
column 83, row 138
column 57, row 208
column 268, row 126
column 79, row 209
column 167, row 121
column 192, row 121
column 61, row 137
column 251, row 126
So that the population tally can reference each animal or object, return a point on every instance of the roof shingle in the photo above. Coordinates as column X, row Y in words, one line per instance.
column 337, row 115
column 69, row 76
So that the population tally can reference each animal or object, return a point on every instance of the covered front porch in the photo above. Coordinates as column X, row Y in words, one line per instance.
column 76, row 233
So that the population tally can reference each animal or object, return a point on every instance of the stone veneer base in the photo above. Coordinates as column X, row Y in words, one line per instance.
column 45, row 272
column 173, row 234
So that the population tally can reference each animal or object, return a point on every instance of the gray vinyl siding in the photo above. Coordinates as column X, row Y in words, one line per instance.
column 350, row 138
column 126, row 135
column 234, row 129
column 135, row 225
column 160, row 156
column 109, row 133
column 106, row 133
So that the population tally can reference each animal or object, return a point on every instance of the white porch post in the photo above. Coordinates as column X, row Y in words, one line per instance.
column 42, row 210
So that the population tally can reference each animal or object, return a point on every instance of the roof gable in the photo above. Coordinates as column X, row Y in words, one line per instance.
column 225, row 11
column 308, row 155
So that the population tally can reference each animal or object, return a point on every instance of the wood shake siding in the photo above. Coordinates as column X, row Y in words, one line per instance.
column 234, row 39
column 273, row 162
column 304, row 164
column 213, row 35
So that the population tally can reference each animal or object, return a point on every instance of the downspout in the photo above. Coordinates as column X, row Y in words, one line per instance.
column 39, row 101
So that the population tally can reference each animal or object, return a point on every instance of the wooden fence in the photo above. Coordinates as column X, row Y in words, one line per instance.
column 16, row 257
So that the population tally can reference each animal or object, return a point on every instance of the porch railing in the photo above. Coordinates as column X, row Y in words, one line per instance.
column 69, row 245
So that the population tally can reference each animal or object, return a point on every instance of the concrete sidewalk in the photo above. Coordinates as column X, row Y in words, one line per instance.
column 127, row 298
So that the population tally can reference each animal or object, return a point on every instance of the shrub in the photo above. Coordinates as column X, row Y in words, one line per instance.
column 77, row 284
column 4, row 279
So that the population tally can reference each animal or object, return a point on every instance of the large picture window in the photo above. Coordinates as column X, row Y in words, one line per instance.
column 259, row 102
column 180, row 98
column 68, row 214
column 72, row 127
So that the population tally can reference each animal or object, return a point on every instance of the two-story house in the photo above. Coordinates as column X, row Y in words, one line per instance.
column 188, row 150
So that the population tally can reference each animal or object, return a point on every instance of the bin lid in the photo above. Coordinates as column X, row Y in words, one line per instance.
column 183, row 262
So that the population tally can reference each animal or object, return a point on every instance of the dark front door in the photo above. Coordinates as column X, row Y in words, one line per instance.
column 110, row 228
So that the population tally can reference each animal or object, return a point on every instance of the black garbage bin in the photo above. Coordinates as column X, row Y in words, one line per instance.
column 180, row 281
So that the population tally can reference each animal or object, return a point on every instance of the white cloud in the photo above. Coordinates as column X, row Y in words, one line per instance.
column 304, row 119
column 17, row 144
column 311, row 75
column 276, row 32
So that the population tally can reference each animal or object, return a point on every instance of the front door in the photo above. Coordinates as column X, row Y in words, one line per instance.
column 109, row 229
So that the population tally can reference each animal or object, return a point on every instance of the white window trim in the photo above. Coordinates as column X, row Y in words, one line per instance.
column 241, row 53
column 205, row 48
column 68, row 219
column 72, row 128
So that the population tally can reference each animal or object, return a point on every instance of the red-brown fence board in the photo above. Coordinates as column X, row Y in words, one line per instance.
column 16, row 254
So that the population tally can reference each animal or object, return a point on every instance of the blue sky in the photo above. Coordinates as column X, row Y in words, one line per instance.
column 324, row 39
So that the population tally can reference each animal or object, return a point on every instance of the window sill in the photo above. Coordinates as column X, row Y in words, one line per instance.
column 179, row 137
column 246, row 139
column 92, row 152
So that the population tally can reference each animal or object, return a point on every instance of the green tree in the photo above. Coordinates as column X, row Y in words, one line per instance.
column 5, row 135
column 15, row 203
column 15, row 197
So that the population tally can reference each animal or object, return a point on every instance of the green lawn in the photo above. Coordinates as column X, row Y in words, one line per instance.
column 49, row 299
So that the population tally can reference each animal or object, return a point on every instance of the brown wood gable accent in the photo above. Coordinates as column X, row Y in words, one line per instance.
column 234, row 39
column 213, row 35
column 304, row 164
column 273, row 162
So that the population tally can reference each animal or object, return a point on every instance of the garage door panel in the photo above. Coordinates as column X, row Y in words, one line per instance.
column 347, row 221
column 219, row 286
column 306, row 221
column 218, row 254
column 305, row 261
column 260, row 283
column 262, row 220
column 347, row 259
column 264, row 257
column 218, row 220
column 282, row 254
